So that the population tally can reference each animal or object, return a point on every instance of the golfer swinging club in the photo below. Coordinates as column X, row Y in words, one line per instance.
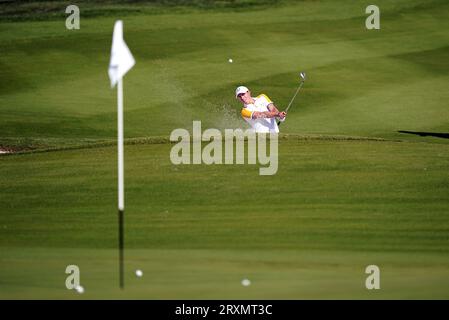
column 259, row 112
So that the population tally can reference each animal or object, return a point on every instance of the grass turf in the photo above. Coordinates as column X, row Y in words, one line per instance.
column 196, row 231
column 377, row 202
column 373, row 83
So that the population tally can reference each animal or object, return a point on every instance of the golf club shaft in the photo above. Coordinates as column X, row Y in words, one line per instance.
column 291, row 101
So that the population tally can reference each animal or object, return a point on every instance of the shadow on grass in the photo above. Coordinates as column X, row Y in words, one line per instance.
column 426, row 134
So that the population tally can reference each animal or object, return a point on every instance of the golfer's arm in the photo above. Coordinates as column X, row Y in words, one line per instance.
column 273, row 108
column 265, row 114
column 271, row 113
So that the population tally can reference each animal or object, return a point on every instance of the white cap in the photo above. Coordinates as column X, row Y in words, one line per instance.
column 241, row 89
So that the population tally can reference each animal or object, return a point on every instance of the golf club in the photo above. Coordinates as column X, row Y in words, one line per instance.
column 302, row 75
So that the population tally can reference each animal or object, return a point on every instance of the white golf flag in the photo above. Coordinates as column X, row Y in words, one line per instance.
column 121, row 58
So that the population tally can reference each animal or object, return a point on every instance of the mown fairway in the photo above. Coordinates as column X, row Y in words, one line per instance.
column 334, row 207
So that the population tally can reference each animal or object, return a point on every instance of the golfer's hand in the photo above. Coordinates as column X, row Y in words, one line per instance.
column 282, row 115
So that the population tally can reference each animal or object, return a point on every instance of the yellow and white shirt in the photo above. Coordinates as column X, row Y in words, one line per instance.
column 261, row 103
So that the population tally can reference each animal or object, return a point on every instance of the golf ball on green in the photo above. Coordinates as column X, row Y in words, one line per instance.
column 79, row 289
column 139, row 273
column 246, row 282
column 230, row 60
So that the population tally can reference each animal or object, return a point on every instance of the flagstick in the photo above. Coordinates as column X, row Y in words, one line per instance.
column 121, row 200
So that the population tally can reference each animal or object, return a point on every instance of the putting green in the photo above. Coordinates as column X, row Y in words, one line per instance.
column 336, row 204
column 333, row 208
